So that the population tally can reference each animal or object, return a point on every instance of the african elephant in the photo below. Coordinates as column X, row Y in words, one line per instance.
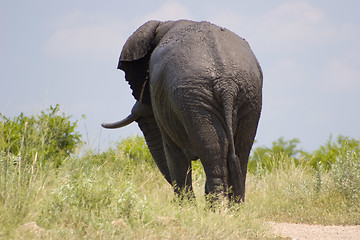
column 199, row 96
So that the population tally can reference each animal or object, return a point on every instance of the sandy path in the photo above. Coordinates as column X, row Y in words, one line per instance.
column 316, row 232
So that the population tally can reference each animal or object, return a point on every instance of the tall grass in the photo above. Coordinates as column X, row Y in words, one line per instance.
column 120, row 194
column 301, row 194
column 110, row 196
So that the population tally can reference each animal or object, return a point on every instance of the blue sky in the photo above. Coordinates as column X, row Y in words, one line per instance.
column 66, row 52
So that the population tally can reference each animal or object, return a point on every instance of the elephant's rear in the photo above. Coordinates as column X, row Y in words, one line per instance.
column 210, row 63
column 213, row 90
column 213, row 59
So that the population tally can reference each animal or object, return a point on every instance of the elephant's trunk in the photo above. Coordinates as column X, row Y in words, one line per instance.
column 122, row 123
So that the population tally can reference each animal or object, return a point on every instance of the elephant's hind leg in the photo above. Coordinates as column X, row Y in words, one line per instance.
column 213, row 158
column 244, row 139
column 209, row 138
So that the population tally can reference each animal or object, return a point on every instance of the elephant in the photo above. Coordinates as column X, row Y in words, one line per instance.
column 198, row 91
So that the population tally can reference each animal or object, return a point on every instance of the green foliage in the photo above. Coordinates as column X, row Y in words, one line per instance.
column 345, row 173
column 268, row 158
column 92, row 192
column 289, row 147
column 30, row 147
column 291, row 193
column 120, row 193
column 327, row 154
column 136, row 149
column 49, row 136
column 341, row 160
column 116, row 194
column 323, row 157
column 94, row 197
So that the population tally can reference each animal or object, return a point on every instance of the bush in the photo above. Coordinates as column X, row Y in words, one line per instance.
column 327, row 154
column 322, row 158
column 135, row 148
column 345, row 172
column 49, row 137
column 117, row 194
column 267, row 158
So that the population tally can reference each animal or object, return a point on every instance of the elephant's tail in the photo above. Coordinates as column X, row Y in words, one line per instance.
column 234, row 167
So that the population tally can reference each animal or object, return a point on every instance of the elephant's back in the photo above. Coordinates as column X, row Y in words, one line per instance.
column 204, row 50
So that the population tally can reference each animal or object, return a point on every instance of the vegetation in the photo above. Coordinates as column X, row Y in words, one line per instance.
column 49, row 191
column 49, row 137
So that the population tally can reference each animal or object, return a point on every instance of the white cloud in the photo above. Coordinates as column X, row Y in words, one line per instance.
column 79, row 35
column 300, row 24
column 287, row 72
column 295, row 24
column 171, row 10
column 289, row 24
column 297, row 31
column 339, row 76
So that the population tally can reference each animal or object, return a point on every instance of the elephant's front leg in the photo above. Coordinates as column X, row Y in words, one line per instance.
column 180, row 169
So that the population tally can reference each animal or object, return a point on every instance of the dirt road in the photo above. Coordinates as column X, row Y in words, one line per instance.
column 315, row 232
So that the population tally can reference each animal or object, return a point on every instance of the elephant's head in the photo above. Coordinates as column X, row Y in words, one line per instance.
column 134, row 61
column 135, row 56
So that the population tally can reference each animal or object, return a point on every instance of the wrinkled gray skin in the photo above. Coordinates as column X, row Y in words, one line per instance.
column 199, row 94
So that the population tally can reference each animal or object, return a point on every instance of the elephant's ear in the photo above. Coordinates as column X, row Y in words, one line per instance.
column 134, row 60
column 139, row 43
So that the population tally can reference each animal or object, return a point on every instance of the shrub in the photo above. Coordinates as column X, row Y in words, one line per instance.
column 327, row 154
column 48, row 137
column 345, row 172
column 116, row 194
column 267, row 158
column 136, row 149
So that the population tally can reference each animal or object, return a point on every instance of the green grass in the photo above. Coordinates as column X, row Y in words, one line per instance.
column 296, row 193
column 120, row 194
column 115, row 196
column 112, row 197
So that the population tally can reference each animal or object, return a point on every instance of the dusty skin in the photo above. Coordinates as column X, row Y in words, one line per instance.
column 315, row 232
